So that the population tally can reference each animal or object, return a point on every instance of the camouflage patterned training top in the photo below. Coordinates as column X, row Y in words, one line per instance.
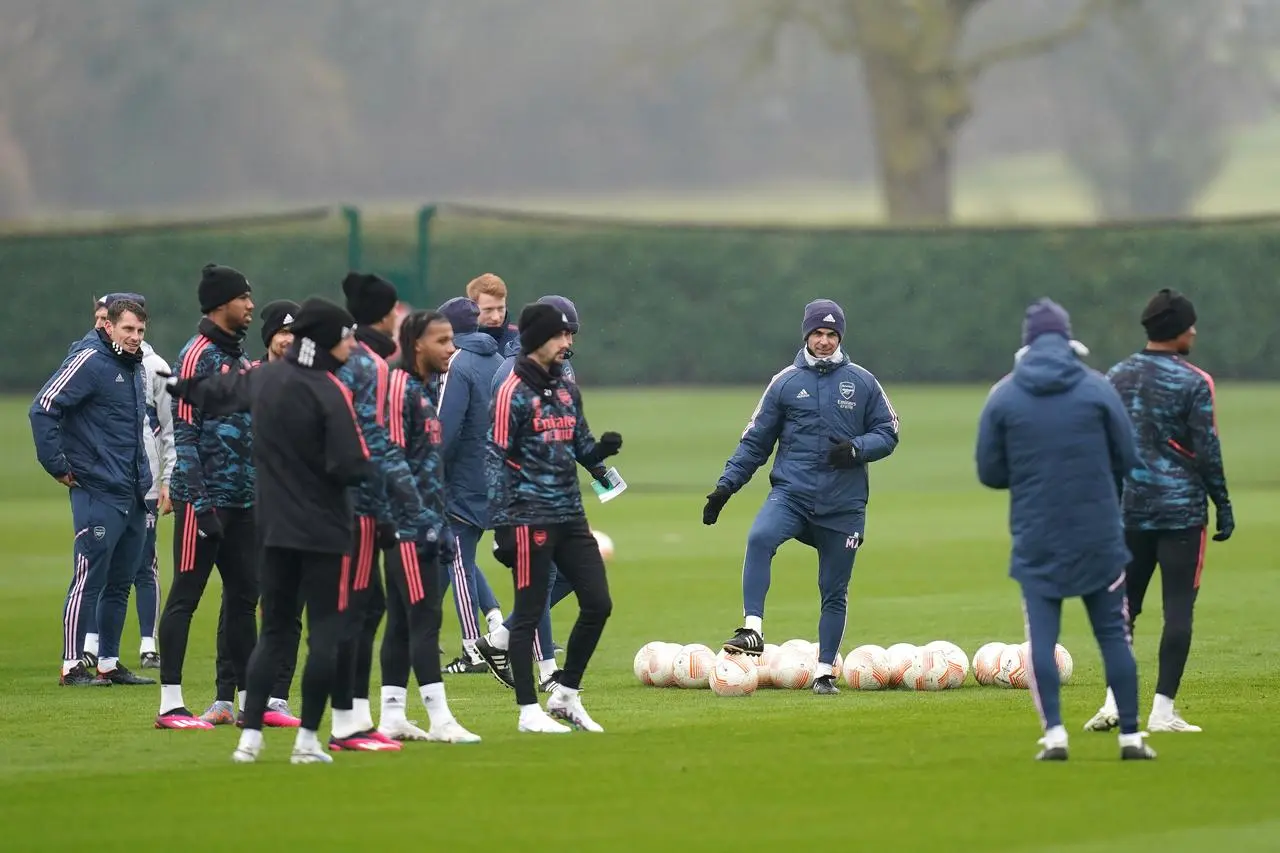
column 1171, row 403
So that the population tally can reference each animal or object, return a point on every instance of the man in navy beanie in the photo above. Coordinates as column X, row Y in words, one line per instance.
column 1167, row 495
column 1055, row 434
column 829, row 419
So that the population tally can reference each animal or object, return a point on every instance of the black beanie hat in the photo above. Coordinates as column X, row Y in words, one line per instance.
column 1168, row 315
column 219, row 285
column 540, row 323
column 369, row 298
column 322, row 322
column 276, row 316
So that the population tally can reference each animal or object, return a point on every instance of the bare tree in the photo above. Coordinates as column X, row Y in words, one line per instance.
column 919, row 82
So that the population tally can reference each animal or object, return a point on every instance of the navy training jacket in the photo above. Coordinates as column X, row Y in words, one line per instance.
column 466, row 392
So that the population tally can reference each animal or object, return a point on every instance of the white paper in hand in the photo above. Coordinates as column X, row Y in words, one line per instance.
column 616, row 486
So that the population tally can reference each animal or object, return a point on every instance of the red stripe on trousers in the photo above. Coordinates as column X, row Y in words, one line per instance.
column 190, row 534
column 412, row 572
column 364, row 550
column 343, row 578
column 1204, row 541
column 522, row 556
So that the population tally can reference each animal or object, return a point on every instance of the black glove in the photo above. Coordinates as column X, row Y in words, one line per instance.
column 208, row 525
column 608, row 445
column 386, row 537
column 842, row 455
column 715, row 502
column 599, row 474
column 1226, row 522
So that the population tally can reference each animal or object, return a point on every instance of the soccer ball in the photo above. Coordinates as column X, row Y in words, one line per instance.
column 605, row 544
column 986, row 661
column 734, row 676
column 802, row 647
column 1012, row 671
column 764, row 662
column 957, row 663
column 692, row 666
column 662, row 663
column 1066, row 666
column 867, row 668
column 899, row 659
column 791, row 670
column 640, row 665
column 926, row 670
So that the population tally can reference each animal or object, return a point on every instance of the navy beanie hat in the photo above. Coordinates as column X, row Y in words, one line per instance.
column 1168, row 315
column 463, row 314
column 1043, row 317
column 822, row 314
column 566, row 307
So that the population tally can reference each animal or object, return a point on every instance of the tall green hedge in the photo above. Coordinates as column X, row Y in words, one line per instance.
column 672, row 304
column 704, row 305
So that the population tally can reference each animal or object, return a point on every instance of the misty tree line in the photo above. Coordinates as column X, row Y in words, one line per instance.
column 151, row 103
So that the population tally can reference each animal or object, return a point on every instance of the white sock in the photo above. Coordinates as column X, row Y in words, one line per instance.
column 275, row 702
column 530, row 712
column 1110, row 703
column 566, row 694
column 1162, row 707
column 240, row 694
column 393, row 701
column 251, row 740
column 1056, row 736
column 147, row 646
column 469, row 646
column 364, row 716
column 499, row 637
column 1134, row 739
column 494, row 619
column 546, row 668
column 91, row 644
column 343, row 723
column 68, row 665
column 306, row 741
column 170, row 697
column 107, row 664
column 825, row 669
column 754, row 623
column 437, row 705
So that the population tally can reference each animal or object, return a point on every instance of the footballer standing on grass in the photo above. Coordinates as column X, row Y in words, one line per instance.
column 539, row 437
column 310, row 451
column 1166, row 497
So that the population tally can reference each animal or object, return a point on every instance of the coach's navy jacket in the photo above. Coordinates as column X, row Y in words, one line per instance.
column 88, row 420
column 465, row 395
column 507, row 337
column 805, row 410
column 1056, row 435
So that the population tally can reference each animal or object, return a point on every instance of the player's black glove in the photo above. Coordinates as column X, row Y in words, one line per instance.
column 386, row 537
column 208, row 525
column 600, row 474
column 1226, row 522
column 715, row 502
column 842, row 455
column 608, row 445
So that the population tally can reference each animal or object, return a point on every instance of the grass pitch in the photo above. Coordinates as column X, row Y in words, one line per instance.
column 685, row 770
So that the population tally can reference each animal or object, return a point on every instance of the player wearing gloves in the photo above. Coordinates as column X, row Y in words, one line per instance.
column 1166, row 497
column 539, row 437
column 829, row 419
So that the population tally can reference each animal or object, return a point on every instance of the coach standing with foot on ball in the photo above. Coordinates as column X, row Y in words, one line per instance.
column 830, row 419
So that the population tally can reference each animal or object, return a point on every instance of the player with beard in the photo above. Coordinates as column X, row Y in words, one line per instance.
column 212, row 491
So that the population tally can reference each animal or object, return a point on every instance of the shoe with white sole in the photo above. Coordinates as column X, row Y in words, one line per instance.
column 568, row 707
column 310, row 755
column 402, row 729
column 1170, row 723
column 451, row 732
column 1104, row 721
column 246, row 754
column 539, row 723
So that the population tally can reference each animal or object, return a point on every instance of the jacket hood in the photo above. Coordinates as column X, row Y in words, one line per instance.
column 480, row 343
column 146, row 349
column 1050, row 366
column 806, row 361
column 88, row 340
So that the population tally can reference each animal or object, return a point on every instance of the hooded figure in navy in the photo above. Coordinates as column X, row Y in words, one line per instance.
column 1056, row 435
column 830, row 419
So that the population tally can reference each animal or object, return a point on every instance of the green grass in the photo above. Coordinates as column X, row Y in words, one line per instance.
column 685, row 770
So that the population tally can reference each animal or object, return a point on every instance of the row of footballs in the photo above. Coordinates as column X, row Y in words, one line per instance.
column 939, row 665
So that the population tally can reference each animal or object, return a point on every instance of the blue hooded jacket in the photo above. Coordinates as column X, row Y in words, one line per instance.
column 1056, row 435
column 805, row 410
column 466, row 393
column 89, row 419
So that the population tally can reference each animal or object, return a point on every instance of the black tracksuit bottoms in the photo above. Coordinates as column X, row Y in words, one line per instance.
column 1180, row 556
